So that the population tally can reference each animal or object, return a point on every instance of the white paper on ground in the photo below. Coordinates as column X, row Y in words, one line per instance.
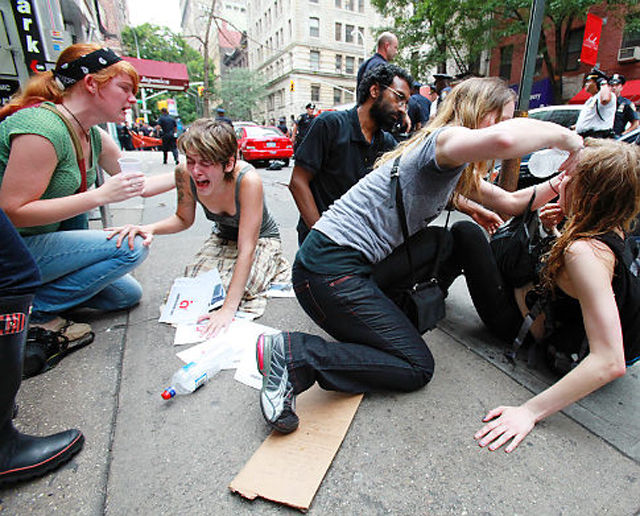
column 239, row 337
column 281, row 290
column 190, row 298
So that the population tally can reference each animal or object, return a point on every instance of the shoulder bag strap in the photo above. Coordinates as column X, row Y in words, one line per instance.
column 397, row 190
column 76, row 144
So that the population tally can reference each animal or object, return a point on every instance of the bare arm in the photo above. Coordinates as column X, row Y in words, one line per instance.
column 181, row 220
column 31, row 164
column 489, row 220
column 251, row 201
column 301, row 191
column 508, row 139
column 587, row 277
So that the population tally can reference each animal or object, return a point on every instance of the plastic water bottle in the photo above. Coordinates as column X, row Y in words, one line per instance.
column 194, row 375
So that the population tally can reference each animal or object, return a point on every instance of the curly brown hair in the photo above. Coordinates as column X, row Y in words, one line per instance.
column 603, row 195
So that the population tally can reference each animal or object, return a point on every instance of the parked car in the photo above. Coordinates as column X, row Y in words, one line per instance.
column 261, row 143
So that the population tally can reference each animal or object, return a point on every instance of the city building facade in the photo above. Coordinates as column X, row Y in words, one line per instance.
column 308, row 51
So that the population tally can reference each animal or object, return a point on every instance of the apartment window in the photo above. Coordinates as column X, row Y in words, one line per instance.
column 348, row 33
column 337, row 96
column 290, row 30
column 349, row 64
column 361, row 6
column 360, row 34
column 314, row 56
column 506, row 56
column 313, row 1
column 315, row 93
column 360, row 61
column 338, row 31
column 348, row 4
column 314, row 27
column 539, row 62
column 574, row 47
column 631, row 38
column 339, row 63
column 338, row 4
column 348, row 95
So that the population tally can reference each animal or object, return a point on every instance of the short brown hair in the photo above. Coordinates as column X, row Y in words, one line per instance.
column 211, row 139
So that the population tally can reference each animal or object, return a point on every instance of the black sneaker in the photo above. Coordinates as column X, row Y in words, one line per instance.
column 277, row 400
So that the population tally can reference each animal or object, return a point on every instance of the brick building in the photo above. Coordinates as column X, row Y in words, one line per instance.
column 619, row 52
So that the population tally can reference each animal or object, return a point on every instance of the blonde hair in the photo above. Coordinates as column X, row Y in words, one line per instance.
column 43, row 87
column 604, row 195
column 466, row 105
column 211, row 139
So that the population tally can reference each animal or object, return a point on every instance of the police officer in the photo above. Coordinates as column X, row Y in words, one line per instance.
column 625, row 110
column 302, row 125
column 597, row 115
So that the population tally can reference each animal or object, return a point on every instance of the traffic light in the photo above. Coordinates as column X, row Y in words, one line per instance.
column 292, row 86
column 162, row 104
column 200, row 91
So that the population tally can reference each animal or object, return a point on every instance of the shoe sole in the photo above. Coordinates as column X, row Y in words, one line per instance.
column 263, row 356
column 42, row 468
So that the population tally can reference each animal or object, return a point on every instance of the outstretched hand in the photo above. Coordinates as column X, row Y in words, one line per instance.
column 504, row 424
column 130, row 232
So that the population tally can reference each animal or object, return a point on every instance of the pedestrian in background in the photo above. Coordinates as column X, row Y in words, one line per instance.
column 169, row 135
column 386, row 50
column 418, row 109
column 598, row 113
column 302, row 125
column 625, row 109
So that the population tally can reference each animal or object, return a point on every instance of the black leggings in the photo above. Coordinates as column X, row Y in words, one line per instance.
column 492, row 297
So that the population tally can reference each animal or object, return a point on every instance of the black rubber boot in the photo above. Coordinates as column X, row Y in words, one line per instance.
column 23, row 456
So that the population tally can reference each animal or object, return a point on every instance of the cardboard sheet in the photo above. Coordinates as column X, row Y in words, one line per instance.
column 303, row 457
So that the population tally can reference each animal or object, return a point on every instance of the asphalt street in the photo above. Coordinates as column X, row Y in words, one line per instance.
column 404, row 453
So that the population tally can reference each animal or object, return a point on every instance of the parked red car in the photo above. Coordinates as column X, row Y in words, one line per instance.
column 259, row 143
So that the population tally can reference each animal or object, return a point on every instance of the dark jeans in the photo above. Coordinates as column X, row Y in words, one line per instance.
column 492, row 298
column 19, row 274
column 378, row 348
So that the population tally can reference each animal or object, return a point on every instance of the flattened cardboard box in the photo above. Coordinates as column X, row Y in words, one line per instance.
column 303, row 457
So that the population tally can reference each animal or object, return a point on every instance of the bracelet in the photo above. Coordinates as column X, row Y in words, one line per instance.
column 552, row 188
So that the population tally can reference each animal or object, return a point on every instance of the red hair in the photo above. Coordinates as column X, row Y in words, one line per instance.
column 42, row 86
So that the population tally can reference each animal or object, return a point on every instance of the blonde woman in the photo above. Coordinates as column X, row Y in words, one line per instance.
column 376, row 346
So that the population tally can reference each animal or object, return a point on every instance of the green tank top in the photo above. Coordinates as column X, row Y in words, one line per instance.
column 65, row 179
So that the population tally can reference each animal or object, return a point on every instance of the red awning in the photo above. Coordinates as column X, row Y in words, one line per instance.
column 630, row 90
column 160, row 75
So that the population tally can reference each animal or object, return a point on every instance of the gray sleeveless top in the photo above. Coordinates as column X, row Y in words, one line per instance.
column 226, row 226
column 366, row 218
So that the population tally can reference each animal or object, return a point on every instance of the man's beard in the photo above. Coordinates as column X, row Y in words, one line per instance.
column 383, row 114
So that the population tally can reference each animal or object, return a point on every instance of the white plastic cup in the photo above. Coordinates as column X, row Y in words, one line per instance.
column 130, row 165
column 546, row 162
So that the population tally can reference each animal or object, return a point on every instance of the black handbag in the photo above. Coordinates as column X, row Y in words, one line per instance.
column 423, row 302
column 518, row 245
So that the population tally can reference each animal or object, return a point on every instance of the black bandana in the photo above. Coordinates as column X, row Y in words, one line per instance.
column 69, row 73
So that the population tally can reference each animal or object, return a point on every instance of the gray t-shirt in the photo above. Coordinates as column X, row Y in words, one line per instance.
column 366, row 218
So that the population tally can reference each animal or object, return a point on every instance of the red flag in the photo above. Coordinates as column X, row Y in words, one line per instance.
column 591, row 40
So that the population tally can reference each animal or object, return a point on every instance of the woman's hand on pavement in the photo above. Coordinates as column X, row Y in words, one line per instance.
column 219, row 321
column 504, row 424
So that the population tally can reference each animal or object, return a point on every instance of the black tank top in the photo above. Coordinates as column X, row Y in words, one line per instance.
column 626, row 288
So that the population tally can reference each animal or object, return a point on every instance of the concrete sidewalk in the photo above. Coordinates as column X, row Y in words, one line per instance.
column 404, row 453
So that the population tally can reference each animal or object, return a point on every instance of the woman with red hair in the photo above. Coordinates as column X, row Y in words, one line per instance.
column 50, row 150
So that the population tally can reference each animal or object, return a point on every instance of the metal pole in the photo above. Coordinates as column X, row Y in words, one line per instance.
column 510, row 169
column 530, row 54
column 143, row 91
